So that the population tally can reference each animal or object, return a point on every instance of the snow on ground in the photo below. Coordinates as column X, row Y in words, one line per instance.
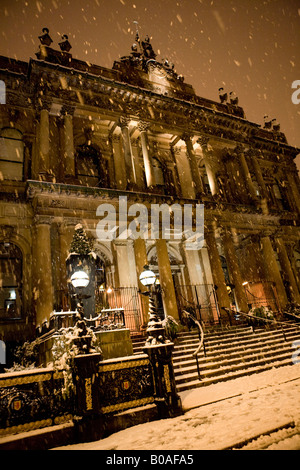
column 222, row 415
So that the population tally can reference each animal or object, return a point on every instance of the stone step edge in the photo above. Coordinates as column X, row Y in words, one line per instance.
column 242, row 373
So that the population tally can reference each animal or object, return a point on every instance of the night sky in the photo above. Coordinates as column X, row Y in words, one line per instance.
column 247, row 46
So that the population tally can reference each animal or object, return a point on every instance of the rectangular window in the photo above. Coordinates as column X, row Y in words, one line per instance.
column 11, row 155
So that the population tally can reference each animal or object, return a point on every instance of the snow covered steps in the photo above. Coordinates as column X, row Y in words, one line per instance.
column 230, row 353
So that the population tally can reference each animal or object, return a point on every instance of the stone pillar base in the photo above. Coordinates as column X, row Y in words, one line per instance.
column 166, row 398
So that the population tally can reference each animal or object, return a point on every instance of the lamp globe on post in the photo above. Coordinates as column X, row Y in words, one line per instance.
column 155, row 329
column 147, row 277
column 79, row 281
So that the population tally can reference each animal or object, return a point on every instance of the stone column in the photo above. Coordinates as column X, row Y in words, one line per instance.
column 287, row 269
column 65, row 239
column 234, row 270
column 261, row 183
column 129, row 161
column 197, row 183
column 140, row 261
column 184, row 173
column 166, row 281
column 68, row 143
column 272, row 270
column 122, row 263
column 44, row 144
column 246, row 174
column 43, row 289
column 119, row 164
column 290, row 250
column 217, row 273
column 149, row 173
column 203, row 141
column 292, row 179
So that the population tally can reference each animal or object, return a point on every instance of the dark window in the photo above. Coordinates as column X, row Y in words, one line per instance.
column 10, row 281
column 11, row 154
column 91, row 167
column 163, row 177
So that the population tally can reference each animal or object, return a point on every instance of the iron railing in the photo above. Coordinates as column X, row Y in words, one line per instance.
column 201, row 300
column 201, row 339
column 126, row 298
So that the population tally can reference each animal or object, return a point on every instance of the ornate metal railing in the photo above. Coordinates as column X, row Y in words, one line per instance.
column 32, row 400
column 107, row 319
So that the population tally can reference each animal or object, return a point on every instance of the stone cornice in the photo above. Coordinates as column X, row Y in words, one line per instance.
column 196, row 115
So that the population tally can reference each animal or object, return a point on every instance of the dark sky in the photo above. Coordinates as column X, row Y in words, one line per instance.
column 248, row 46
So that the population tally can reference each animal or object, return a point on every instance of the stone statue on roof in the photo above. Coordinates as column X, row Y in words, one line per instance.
column 148, row 49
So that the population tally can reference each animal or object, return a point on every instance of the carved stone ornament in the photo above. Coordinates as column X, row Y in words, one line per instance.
column 7, row 231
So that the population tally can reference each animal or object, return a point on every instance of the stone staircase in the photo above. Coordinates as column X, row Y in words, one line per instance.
column 229, row 353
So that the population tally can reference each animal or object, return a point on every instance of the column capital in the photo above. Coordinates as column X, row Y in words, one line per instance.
column 251, row 152
column 43, row 105
column 143, row 126
column 187, row 136
column 67, row 110
column 175, row 149
column 228, row 154
column 239, row 149
column 123, row 122
column 42, row 220
column 203, row 141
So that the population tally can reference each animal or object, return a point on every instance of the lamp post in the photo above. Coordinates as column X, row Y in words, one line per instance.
column 155, row 329
column 79, row 281
column 159, row 351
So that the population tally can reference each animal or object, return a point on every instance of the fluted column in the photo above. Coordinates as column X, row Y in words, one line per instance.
column 292, row 179
column 272, row 270
column 68, row 142
column 129, row 161
column 290, row 250
column 261, row 183
column 119, row 163
column 287, row 269
column 184, row 173
column 43, row 288
column 217, row 272
column 65, row 233
column 234, row 270
column 203, row 141
column 140, row 261
column 166, row 280
column 246, row 174
column 149, row 173
column 44, row 170
column 197, row 183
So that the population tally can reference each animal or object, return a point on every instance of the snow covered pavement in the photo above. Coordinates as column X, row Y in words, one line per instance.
column 221, row 416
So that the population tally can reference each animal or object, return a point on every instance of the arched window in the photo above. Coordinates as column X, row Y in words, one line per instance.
column 10, row 281
column 11, row 154
column 91, row 167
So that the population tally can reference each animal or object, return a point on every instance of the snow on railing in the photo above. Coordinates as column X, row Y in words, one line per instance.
column 201, row 341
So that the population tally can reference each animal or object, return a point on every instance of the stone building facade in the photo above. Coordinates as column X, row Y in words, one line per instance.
column 76, row 135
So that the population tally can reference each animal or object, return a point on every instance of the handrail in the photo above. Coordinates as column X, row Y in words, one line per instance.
column 276, row 322
column 228, row 310
column 201, row 342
